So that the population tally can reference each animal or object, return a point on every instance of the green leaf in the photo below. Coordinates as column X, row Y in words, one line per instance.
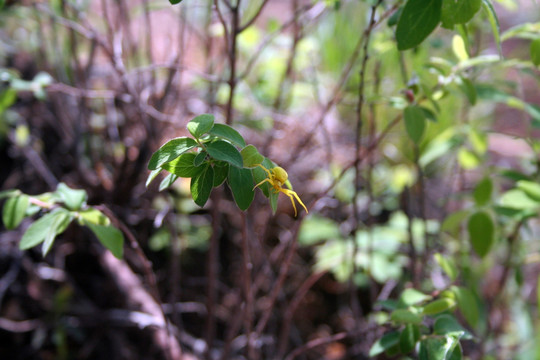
column 228, row 133
column 153, row 174
column 494, row 22
column 466, row 304
column 259, row 175
column 200, row 125
column 447, row 324
column 167, row 181
column 458, row 11
column 453, row 222
column 482, row 192
column 73, row 199
column 481, row 232
column 15, row 211
column 202, row 184
column 412, row 296
column 58, row 224
column 518, row 199
column 438, row 306
column 387, row 341
column 174, row 2
column 35, row 234
column 199, row 159
column 418, row 19
column 428, row 114
column 408, row 338
column 530, row 188
column 110, row 237
column 535, row 51
column 514, row 175
column 9, row 193
column 273, row 197
column 183, row 166
column 468, row 159
column 93, row 216
column 241, row 184
column 403, row 316
column 456, row 354
column 170, row 151
column 415, row 122
column 251, row 156
column 315, row 229
column 221, row 150
column 468, row 89
column 448, row 266
column 7, row 98
column 221, row 170
column 393, row 19
column 432, row 348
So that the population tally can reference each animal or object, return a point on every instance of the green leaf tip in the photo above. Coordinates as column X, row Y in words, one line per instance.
column 170, row 151
column 200, row 125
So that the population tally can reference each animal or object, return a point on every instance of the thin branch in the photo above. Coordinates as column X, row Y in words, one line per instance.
column 337, row 92
column 316, row 343
column 255, row 16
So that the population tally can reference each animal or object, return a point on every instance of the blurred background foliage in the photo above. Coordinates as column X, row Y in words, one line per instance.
column 422, row 235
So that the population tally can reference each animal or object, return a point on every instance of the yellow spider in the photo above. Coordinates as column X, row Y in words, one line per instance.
column 277, row 177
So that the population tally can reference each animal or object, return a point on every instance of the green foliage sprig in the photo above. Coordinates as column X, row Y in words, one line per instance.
column 58, row 210
column 217, row 153
column 414, row 309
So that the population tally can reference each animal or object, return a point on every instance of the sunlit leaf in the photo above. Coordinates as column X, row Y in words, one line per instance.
column 36, row 233
column 438, row 306
column 183, row 166
column 110, row 237
column 200, row 125
column 57, row 226
column 412, row 296
column 73, row 199
column 251, row 156
column 167, row 181
column 93, row 216
column 403, row 316
column 228, row 133
column 448, row 266
column 170, row 151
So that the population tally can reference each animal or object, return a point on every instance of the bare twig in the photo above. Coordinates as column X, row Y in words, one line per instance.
column 316, row 343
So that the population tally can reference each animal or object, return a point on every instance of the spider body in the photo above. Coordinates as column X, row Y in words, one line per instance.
column 277, row 177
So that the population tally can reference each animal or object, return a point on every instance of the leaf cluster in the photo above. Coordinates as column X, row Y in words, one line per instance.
column 57, row 210
column 419, row 18
column 426, row 325
column 215, row 154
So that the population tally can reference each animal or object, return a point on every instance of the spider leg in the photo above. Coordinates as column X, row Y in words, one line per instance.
column 267, row 171
column 292, row 200
column 291, row 193
column 262, row 182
